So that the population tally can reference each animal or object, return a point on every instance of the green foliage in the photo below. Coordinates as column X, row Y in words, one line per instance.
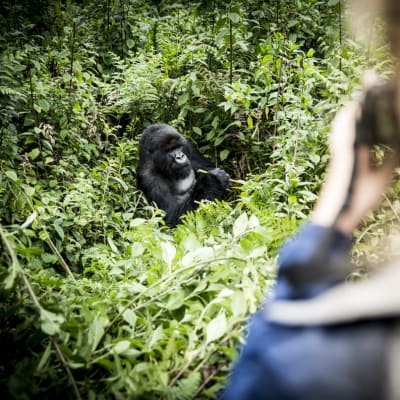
column 146, row 306
column 99, row 299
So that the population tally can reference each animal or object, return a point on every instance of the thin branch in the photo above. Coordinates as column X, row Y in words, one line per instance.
column 391, row 207
column 69, row 373
column 340, row 34
column 60, row 257
column 231, row 51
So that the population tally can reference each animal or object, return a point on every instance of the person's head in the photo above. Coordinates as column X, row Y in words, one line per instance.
column 389, row 10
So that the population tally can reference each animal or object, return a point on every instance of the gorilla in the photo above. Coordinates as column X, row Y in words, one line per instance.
column 172, row 173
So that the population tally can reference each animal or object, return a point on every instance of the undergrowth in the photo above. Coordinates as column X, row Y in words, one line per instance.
column 99, row 299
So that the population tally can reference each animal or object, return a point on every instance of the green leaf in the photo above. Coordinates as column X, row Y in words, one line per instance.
column 254, row 223
column 240, row 225
column 29, row 190
column 59, row 230
column 130, row 317
column 49, row 258
column 315, row 158
column 216, row 328
column 135, row 287
column 67, row 78
column 96, row 330
column 137, row 249
column 29, row 251
column 45, row 356
column 112, row 245
column 121, row 182
column 223, row 155
column 11, row 175
column 137, row 222
column 200, row 254
column 50, row 322
column 14, row 270
column 183, row 98
column 215, row 122
column 33, row 154
column 186, row 388
column 292, row 199
column 156, row 336
column 29, row 220
column 234, row 17
column 44, row 105
column 122, row 346
column 238, row 304
column 176, row 299
column 19, row 67
column 168, row 252
column 199, row 110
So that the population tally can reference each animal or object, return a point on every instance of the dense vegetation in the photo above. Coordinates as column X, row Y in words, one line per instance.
column 99, row 299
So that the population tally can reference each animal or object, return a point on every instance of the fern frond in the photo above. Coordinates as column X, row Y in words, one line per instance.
column 186, row 388
column 7, row 91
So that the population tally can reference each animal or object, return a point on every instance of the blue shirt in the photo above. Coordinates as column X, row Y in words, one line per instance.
column 278, row 362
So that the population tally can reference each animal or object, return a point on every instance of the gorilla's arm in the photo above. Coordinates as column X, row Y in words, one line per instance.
column 197, row 160
column 211, row 185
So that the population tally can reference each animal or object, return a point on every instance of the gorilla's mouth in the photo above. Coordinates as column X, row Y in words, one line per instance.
column 178, row 165
column 183, row 171
column 182, row 164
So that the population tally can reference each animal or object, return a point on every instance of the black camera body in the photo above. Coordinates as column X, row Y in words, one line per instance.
column 378, row 123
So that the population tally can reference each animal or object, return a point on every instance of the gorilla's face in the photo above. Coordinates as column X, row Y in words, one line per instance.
column 169, row 156
column 178, row 158
column 176, row 164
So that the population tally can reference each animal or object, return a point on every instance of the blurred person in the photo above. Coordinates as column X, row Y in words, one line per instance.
column 320, row 338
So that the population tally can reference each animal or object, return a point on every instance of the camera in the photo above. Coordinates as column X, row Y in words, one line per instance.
column 378, row 123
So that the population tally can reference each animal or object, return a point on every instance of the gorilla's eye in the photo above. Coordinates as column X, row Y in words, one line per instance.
column 174, row 149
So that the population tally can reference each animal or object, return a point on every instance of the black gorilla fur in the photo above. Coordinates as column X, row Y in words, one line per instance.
column 172, row 172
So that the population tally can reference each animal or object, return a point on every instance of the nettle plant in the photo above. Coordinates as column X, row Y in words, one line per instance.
column 100, row 299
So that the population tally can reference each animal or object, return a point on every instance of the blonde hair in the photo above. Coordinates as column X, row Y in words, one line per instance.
column 363, row 13
column 391, row 14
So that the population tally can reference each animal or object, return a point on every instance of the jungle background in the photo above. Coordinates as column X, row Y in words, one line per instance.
column 99, row 299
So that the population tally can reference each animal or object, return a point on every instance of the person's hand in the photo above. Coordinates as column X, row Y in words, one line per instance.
column 369, row 182
column 369, row 185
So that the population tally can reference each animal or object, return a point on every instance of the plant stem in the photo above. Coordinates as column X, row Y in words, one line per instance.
column 72, row 51
column 69, row 373
column 60, row 257
column 231, row 52
column 340, row 34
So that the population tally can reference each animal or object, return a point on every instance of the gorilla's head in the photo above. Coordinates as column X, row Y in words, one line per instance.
column 166, row 149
